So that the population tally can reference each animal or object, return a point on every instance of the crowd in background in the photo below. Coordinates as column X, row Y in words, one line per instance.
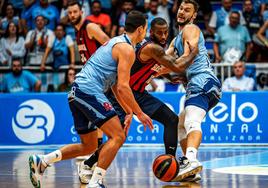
column 37, row 32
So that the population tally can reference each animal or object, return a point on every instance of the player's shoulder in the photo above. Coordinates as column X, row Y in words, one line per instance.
column 191, row 27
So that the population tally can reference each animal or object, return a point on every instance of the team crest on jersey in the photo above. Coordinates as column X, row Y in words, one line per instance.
column 107, row 106
column 82, row 47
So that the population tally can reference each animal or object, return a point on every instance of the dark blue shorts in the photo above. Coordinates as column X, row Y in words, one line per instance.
column 148, row 103
column 89, row 111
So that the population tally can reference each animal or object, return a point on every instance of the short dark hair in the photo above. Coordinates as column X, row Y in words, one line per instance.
column 158, row 21
column 96, row 1
column 235, row 12
column 74, row 2
column 134, row 20
column 16, row 59
column 193, row 2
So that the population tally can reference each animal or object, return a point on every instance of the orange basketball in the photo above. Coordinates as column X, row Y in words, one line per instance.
column 165, row 167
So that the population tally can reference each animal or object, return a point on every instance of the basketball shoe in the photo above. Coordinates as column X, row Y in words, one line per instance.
column 37, row 168
column 187, row 168
column 85, row 172
column 192, row 178
column 99, row 184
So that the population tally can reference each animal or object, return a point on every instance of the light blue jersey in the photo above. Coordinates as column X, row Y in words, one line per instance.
column 200, row 76
column 100, row 71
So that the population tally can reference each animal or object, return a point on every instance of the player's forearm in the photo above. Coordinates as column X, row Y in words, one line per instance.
column 184, row 62
column 127, row 96
column 122, row 103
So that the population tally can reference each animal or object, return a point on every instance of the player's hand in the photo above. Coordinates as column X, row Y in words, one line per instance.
column 127, row 122
column 145, row 120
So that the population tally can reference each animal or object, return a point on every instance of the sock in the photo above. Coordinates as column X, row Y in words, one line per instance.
column 92, row 159
column 98, row 175
column 53, row 157
column 100, row 142
column 191, row 153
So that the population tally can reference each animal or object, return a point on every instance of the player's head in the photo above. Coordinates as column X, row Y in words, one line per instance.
column 136, row 23
column 187, row 12
column 159, row 31
column 16, row 67
column 74, row 12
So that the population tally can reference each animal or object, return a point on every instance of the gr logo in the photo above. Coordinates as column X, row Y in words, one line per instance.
column 33, row 122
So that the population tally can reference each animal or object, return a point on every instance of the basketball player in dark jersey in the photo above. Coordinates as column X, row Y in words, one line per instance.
column 150, row 57
column 89, row 35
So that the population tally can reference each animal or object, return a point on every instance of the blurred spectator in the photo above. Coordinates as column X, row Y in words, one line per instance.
column 68, row 80
column 63, row 49
column 38, row 41
column 27, row 20
column 100, row 18
column 262, row 42
column 232, row 41
column 220, row 16
column 69, row 29
column 85, row 7
column 127, row 6
column 253, row 20
column 106, row 5
column 239, row 82
column 153, row 13
column 163, row 9
column 19, row 80
column 12, row 44
column 18, row 5
column 48, row 11
column 9, row 17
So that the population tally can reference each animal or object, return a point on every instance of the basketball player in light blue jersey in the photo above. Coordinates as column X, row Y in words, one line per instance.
column 108, row 67
column 203, row 90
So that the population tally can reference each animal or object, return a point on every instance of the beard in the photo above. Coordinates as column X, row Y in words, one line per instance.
column 155, row 40
column 17, row 73
column 76, row 21
column 185, row 22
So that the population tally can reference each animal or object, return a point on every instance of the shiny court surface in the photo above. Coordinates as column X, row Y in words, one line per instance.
column 235, row 167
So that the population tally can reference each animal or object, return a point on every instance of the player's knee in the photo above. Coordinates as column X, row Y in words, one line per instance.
column 120, row 138
column 191, row 126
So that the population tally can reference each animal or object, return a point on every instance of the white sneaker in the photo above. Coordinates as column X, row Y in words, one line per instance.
column 85, row 172
column 188, row 168
column 99, row 184
column 192, row 178
column 37, row 168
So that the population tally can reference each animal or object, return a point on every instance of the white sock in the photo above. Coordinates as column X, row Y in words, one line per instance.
column 98, row 174
column 53, row 157
column 191, row 153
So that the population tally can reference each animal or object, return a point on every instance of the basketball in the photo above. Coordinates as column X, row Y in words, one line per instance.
column 165, row 167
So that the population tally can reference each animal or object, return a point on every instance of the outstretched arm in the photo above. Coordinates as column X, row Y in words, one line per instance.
column 177, row 65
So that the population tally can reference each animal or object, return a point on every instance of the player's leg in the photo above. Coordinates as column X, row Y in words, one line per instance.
column 113, row 129
column 169, row 119
column 88, row 137
column 85, row 169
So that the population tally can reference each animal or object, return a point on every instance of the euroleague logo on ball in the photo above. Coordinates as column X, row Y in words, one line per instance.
column 33, row 122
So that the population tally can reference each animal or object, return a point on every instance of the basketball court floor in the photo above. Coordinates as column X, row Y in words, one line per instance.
column 224, row 167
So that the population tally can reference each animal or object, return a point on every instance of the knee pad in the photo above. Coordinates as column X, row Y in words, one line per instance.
column 192, row 126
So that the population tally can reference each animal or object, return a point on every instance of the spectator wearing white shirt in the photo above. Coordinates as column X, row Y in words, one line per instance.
column 38, row 41
column 12, row 44
column 239, row 82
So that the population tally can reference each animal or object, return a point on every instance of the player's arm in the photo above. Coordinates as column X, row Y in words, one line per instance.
column 119, row 99
column 94, row 31
column 125, row 56
column 179, row 65
column 171, row 48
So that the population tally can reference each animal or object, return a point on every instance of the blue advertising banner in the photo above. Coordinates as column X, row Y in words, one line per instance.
column 45, row 118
